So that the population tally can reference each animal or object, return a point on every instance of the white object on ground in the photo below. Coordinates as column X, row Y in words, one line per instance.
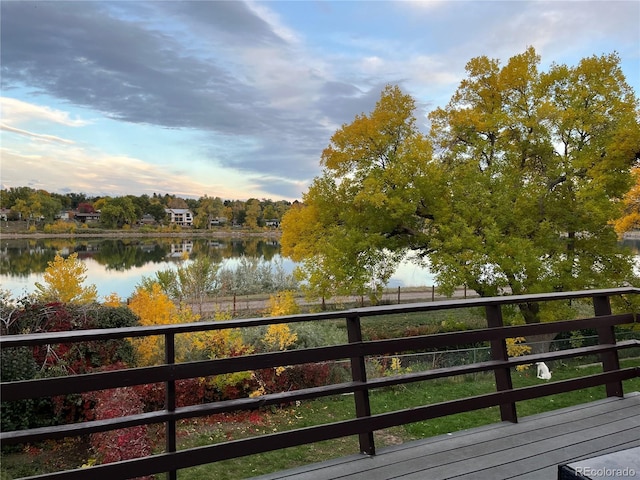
column 543, row 371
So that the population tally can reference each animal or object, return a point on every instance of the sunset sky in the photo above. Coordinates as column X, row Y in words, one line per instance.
column 238, row 99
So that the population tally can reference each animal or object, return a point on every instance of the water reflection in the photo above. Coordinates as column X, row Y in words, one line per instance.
column 118, row 264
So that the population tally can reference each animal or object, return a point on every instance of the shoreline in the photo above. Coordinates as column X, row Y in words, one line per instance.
column 134, row 234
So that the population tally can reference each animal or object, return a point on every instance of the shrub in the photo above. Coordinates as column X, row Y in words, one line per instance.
column 123, row 444
column 18, row 364
column 60, row 226
column 60, row 359
column 295, row 377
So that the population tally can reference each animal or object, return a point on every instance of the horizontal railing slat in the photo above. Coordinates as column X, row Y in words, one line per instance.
column 7, row 341
column 276, row 441
column 192, row 411
column 146, row 375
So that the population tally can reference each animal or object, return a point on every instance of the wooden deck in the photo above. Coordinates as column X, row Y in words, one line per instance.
column 529, row 450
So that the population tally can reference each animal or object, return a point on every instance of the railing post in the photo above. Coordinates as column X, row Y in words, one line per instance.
column 359, row 374
column 606, row 335
column 170, row 400
column 499, row 352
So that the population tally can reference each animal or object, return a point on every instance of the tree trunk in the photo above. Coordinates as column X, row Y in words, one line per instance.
column 538, row 343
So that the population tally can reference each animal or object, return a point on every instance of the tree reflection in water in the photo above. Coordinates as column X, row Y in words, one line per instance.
column 117, row 265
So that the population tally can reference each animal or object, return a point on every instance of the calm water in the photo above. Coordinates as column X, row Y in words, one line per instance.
column 118, row 265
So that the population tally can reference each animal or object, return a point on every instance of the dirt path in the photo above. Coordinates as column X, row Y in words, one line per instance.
column 247, row 304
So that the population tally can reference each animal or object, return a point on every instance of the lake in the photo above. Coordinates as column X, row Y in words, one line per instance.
column 116, row 265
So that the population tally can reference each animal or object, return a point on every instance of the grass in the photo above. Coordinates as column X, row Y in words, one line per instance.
column 389, row 399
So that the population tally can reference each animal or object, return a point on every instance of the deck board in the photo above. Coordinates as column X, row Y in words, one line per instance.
column 528, row 450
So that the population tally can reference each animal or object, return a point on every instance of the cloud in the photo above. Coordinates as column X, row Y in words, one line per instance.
column 261, row 86
column 64, row 167
column 229, row 74
column 16, row 112
column 38, row 136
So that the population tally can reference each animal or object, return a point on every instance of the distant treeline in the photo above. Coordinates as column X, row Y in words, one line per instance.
column 39, row 207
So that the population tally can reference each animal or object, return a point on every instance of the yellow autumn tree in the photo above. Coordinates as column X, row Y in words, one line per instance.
column 630, row 220
column 112, row 300
column 516, row 347
column 64, row 281
column 154, row 307
column 279, row 336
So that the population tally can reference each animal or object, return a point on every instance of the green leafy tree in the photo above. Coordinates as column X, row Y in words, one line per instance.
column 157, row 211
column 513, row 191
column 253, row 213
column 537, row 162
column 192, row 282
column 9, row 197
column 118, row 211
column 358, row 218
column 197, row 280
column 23, row 209
column 44, row 206
column 209, row 209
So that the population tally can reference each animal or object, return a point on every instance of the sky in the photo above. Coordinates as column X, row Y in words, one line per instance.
column 237, row 99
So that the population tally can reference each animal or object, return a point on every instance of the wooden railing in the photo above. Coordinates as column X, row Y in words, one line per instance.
column 356, row 351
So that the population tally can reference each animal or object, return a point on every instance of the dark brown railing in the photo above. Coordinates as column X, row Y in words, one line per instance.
column 355, row 350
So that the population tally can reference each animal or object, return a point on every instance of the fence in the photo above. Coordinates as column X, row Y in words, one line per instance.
column 356, row 351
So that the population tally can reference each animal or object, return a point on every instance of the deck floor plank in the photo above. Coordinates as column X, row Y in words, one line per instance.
column 529, row 450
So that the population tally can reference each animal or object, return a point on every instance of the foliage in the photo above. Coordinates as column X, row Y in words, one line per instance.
column 112, row 300
column 153, row 307
column 19, row 364
column 32, row 205
column 251, row 275
column 347, row 232
column 118, row 211
column 37, row 206
column 538, row 164
column 279, row 335
column 60, row 359
column 60, row 226
column 283, row 303
column 253, row 212
column 516, row 347
column 64, row 279
column 294, row 377
column 166, row 279
column 209, row 209
column 513, row 191
column 630, row 220
column 197, row 280
column 117, row 445
column 224, row 343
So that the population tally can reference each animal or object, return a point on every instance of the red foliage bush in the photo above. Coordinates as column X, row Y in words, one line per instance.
column 295, row 377
column 123, row 444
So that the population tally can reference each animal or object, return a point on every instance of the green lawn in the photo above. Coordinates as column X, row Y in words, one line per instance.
column 337, row 408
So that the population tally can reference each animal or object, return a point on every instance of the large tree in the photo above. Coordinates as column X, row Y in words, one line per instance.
column 367, row 208
column 513, row 191
column 118, row 211
column 210, row 208
column 537, row 162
